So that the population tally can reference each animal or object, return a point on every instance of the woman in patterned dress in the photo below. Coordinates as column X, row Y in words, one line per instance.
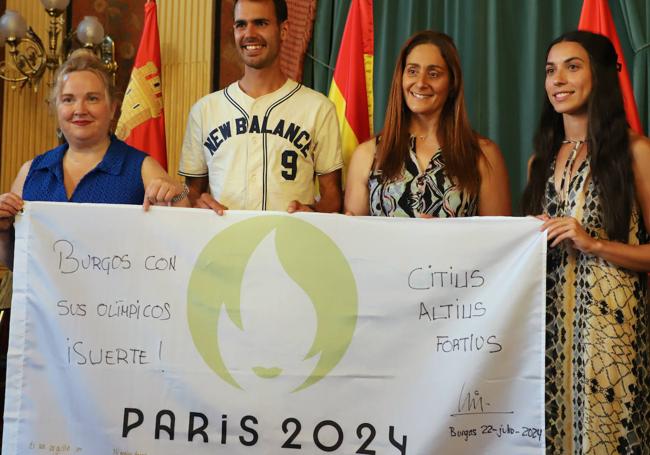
column 427, row 162
column 590, row 184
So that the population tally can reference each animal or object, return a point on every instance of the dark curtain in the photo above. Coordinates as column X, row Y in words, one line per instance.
column 636, row 14
column 502, row 44
column 323, row 49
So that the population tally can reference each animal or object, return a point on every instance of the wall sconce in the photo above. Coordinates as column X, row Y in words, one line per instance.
column 30, row 59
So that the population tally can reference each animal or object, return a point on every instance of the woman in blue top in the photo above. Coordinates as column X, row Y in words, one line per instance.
column 93, row 166
column 427, row 161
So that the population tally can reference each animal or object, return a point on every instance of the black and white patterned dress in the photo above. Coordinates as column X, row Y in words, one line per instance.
column 430, row 192
column 597, row 358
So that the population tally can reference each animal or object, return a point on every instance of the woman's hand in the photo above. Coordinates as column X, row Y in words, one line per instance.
column 568, row 228
column 163, row 191
column 10, row 205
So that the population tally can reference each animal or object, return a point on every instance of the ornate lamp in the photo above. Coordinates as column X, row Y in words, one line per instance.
column 28, row 56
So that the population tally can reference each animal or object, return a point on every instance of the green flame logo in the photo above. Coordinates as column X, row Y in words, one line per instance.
column 310, row 258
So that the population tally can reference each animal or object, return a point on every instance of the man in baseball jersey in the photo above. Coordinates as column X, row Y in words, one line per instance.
column 260, row 143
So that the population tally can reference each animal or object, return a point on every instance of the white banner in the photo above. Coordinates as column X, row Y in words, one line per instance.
column 178, row 331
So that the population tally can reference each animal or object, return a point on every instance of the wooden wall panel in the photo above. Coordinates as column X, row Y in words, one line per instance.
column 3, row 6
column 187, row 47
column 27, row 126
column 231, row 66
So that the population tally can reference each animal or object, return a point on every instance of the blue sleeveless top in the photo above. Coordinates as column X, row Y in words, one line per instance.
column 117, row 179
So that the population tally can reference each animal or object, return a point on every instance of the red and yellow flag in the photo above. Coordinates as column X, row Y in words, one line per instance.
column 596, row 17
column 142, row 122
column 351, row 90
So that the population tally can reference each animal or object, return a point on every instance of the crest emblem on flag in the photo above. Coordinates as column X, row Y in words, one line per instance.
column 143, row 99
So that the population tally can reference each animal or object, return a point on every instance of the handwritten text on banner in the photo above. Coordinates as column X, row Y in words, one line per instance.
column 179, row 331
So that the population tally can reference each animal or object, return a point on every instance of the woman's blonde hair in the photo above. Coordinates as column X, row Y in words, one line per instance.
column 82, row 60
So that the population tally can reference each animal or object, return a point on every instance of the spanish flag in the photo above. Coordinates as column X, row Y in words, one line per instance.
column 351, row 90
column 142, row 122
column 596, row 17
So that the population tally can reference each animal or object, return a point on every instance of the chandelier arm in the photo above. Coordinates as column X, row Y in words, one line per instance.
column 107, row 54
column 29, row 56
column 8, row 78
column 28, row 60
column 57, row 24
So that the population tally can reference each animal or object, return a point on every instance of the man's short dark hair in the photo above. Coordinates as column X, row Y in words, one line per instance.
column 281, row 13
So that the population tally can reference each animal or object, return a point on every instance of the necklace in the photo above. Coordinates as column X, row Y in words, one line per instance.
column 565, row 183
column 576, row 142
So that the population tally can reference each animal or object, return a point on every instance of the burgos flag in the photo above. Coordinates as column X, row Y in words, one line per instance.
column 351, row 90
column 142, row 122
column 596, row 17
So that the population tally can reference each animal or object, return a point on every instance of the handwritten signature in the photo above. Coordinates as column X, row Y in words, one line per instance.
column 474, row 402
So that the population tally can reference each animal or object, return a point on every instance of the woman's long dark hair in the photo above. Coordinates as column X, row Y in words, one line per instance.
column 607, row 135
column 460, row 147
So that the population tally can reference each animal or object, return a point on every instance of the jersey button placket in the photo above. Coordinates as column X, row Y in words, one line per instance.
column 253, row 177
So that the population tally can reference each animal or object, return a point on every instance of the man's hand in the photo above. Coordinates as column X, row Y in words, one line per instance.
column 296, row 206
column 206, row 201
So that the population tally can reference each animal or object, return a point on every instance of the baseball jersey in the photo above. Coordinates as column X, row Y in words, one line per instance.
column 262, row 153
